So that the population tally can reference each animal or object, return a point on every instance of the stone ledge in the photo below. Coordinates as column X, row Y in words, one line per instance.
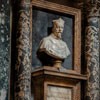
column 47, row 70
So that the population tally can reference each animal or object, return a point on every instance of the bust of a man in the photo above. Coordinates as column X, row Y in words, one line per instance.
column 53, row 45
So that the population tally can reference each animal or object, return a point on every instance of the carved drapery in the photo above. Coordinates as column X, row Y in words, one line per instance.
column 92, row 51
column 23, row 52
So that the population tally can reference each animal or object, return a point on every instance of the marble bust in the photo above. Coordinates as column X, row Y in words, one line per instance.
column 53, row 45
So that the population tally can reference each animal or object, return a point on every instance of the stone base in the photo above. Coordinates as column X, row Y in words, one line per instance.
column 49, row 83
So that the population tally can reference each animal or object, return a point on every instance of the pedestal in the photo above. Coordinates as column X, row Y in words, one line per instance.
column 49, row 83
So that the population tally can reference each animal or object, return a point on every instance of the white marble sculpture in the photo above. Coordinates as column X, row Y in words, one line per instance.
column 53, row 44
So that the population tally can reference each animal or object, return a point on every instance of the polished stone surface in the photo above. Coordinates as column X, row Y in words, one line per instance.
column 92, row 53
column 4, row 48
column 23, row 53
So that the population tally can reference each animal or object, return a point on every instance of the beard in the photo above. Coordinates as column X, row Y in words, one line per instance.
column 58, row 35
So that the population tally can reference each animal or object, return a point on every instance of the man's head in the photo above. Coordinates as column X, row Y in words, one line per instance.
column 58, row 26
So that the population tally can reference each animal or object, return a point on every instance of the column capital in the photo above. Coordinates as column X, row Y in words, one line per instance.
column 92, row 8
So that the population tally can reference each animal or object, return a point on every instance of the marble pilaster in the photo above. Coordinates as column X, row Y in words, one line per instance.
column 23, row 52
column 92, row 51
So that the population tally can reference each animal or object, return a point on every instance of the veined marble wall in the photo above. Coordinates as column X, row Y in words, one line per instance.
column 4, row 48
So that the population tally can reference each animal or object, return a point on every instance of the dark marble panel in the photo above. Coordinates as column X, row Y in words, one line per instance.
column 4, row 48
column 42, row 24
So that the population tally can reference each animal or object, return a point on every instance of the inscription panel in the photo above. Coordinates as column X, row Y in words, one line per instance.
column 59, row 93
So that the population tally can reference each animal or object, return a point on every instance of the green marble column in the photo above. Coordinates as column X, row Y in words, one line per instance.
column 4, row 49
column 92, row 51
column 23, row 54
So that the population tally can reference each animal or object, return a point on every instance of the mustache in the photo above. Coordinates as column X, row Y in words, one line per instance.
column 60, row 31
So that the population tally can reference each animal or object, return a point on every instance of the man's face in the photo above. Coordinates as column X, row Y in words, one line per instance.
column 58, row 29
